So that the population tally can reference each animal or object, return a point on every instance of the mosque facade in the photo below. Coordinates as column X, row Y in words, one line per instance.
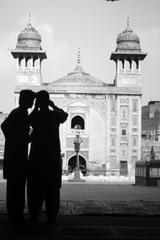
column 107, row 116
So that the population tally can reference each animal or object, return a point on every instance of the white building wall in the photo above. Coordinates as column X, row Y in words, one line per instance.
column 96, row 140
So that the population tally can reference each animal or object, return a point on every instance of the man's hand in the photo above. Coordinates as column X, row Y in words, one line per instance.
column 51, row 104
column 36, row 106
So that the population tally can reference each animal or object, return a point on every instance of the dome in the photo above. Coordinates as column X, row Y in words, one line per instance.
column 128, row 41
column 29, row 38
column 78, row 78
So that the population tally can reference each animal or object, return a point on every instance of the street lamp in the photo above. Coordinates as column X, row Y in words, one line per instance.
column 77, row 142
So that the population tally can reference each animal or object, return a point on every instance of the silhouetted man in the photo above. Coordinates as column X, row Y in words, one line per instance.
column 45, row 167
column 16, row 131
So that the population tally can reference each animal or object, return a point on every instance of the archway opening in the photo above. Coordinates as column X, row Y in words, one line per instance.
column 77, row 121
column 82, row 165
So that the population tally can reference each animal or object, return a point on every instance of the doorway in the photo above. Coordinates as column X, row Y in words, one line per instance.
column 123, row 168
column 82, row 164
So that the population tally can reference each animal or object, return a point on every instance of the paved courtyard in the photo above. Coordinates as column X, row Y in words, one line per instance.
column 102, row 192
column 83, row 198
column 94, row 211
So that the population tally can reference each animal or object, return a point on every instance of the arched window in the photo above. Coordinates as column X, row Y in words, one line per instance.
column 124, row 132
column 77, row 123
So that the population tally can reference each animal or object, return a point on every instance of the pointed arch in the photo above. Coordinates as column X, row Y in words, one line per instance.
column 82, row 164
column 77, row 122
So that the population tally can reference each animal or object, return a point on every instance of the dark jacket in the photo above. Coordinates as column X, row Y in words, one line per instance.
column 45, row 154
column 16, row 131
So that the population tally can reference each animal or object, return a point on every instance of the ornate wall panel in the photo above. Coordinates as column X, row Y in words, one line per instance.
column 124, row 112
column 99, row 105
column 70, row 140
column 72, row 114
column 124, row 100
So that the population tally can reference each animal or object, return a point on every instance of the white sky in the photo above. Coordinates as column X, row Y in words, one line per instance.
column 92, row 25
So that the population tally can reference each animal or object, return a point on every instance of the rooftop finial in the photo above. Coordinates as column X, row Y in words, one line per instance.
column 127, row 22
column 79, row 56
column 78, row 68
column 128, row 25
column 29, row 19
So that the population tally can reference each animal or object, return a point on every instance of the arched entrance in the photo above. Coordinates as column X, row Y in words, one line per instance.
column 82, row 164
column 78, row 121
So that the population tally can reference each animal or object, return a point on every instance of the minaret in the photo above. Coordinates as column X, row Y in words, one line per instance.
column 29, row 56
column 127, row 57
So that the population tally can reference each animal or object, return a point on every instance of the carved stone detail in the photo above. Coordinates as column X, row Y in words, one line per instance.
column 100, row 105
column 124, row 100
column 70, row 154
column 83, row 115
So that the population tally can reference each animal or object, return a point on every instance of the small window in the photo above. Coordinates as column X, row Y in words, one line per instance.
column 124, row 133
column 77, row 123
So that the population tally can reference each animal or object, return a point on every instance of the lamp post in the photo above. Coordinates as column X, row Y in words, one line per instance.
column 77, row 142
column 152, row 154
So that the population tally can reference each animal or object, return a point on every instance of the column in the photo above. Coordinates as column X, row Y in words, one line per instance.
column 32, row 63
column 39, row 63
column 125, row 66
column 18, row 65
column 139, row 66
column 119, row 65
column 23, row 63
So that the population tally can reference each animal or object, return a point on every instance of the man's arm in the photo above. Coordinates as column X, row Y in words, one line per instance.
column 6, row 125
column 62, row 113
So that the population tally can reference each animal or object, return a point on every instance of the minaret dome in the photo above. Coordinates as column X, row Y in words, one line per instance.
column 29, row 38
column 128, row 40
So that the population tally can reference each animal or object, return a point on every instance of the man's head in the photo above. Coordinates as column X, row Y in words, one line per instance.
column 42, row 98
column 26, row 98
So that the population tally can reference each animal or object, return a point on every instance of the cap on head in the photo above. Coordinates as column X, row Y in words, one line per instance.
column 26, row 98
column 42, row 98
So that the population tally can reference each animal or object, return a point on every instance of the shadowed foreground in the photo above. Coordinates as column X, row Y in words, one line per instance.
column 84, row 227
column 93, row 212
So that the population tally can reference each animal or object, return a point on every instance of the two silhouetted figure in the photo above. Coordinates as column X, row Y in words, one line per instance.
column 44, row 167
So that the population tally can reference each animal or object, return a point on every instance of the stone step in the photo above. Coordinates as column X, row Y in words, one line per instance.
column 80, row 233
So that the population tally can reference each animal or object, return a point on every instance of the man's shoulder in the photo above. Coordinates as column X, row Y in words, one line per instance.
column 17, row 113
column 14, row 111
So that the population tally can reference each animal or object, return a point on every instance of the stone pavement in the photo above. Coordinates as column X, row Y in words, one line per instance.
column 90, row 220
column 93, row 212
column 132, row 208
column 85, row 227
